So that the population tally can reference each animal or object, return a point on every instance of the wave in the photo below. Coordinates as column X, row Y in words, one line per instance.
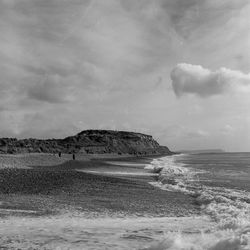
column 117, row 173
column 219, row 241
column 229, row 208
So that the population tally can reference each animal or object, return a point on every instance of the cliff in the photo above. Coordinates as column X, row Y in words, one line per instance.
column 88, row 142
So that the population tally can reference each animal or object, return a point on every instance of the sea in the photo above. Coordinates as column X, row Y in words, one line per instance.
column 219, row 184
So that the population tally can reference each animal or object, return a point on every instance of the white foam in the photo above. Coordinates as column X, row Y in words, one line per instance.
column 173, row 176
column 121, row 163
column 76, row 232
column 219, row 241
column 167, row 166
column 117, row 173
column 229, row 208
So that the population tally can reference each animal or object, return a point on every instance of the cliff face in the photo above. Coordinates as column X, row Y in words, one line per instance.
column 89, row 142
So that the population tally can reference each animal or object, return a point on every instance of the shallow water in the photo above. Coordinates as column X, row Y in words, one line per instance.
column 75, row 232
column 221, row 184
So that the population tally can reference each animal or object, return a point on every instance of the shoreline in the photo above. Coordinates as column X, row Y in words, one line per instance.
column 51, row 189
column 65, row 206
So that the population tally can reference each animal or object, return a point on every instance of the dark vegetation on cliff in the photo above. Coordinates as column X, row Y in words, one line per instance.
column 88, row 142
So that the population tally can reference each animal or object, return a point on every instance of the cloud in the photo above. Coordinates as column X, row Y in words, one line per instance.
column 182, row 132
column 194, row 79
column 50, row 90
column 67, row 61
column 227, row 130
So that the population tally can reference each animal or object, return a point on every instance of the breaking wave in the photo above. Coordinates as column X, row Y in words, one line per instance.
column 228, row 208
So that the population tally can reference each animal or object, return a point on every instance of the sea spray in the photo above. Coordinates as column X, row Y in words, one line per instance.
column 229, row 208
column 76, row 232
column 219, row 241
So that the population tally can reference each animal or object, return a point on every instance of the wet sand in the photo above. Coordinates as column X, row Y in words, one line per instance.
column 44, row 205
column 71, row 187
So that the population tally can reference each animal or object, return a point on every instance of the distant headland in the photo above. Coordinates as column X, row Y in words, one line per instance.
column 87, row 142
column 202, row 151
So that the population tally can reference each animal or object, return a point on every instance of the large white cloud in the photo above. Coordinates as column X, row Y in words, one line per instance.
column 194, row 79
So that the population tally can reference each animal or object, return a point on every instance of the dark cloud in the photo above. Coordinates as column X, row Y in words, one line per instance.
column 50, row 89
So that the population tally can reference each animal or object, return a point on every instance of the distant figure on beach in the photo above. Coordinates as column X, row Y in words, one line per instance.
column 59, row 154
column 73, row 156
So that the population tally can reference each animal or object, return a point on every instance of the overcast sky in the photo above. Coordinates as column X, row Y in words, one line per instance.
column 176, row 69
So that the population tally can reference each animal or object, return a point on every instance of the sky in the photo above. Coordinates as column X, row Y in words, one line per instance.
column 175, row 69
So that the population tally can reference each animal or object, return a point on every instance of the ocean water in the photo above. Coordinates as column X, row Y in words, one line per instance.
column 220, row 184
